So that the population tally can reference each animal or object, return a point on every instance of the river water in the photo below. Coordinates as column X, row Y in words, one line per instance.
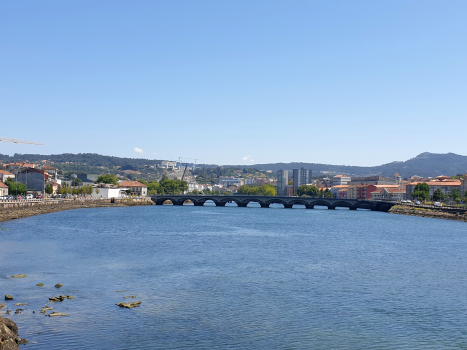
column 238, row 278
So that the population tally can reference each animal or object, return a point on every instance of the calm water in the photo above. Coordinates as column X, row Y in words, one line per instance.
column 238, row 278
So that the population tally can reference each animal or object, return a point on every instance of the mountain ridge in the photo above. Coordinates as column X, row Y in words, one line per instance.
column 425, row 164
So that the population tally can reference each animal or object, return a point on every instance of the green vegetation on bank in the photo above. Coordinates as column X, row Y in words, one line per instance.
column 165, row 186
column 263, row 190
column 313, row 191
column 15, row 188
column 421, row 191
column 107, row 179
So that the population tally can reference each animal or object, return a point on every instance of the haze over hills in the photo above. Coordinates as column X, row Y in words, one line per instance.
column 425, row 164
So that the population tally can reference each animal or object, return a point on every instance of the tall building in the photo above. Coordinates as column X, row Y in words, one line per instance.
column 301, row 177
column 282, row 182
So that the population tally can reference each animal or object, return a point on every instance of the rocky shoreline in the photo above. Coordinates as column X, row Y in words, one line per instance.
column 9, row 339
column 20, row 212
column 428, row 213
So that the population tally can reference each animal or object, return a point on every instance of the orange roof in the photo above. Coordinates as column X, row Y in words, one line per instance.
column 3, row 185
column 131, row 184
column 341, row 176
column 439, row 183
column 4, row 172
column 340, row 186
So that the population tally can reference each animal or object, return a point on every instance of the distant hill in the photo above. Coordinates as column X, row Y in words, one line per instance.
column 425, row 164
column 91, row 159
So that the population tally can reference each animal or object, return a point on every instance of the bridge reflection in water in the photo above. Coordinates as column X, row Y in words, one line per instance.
column 266, row 201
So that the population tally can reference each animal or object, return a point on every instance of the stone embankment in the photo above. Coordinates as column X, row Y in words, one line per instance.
column 428, row 213
column 12, row 210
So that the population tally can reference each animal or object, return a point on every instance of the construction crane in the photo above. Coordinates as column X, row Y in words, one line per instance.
column 6, row 139
column 184, row 171
column 180, row 159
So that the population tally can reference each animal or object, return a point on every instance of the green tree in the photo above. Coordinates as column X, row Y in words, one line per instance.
column 154, row 187
column 309, row 190
column 49, row 189
column 76, row 182
column 107, row 179
column 267, row 190
column 438, row 195
column 15, row 188
column 456, row 195
column 173, row 186
column 422, row 191
column 328, row 194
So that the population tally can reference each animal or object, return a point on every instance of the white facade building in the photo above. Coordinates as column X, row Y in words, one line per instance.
column 107, row 193
column 340, row 180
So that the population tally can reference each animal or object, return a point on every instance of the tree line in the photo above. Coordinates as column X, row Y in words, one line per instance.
column 313, row 191
column 422, row 191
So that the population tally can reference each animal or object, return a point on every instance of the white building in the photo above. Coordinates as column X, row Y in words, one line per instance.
column 107, row 192
column 227, row 181
column 340, row 180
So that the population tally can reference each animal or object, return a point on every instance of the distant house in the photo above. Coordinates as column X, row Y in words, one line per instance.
column 51, row 171
column 389, row 193
column 3, row 189
column 14, row 167
column 88, row 178
column 106, row 191
column 33, row 178
column 5, row 175
column 136, row 187
column 340, row 180
column 445, row 185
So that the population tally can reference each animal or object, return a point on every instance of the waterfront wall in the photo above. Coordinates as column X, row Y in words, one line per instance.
column 22, row 209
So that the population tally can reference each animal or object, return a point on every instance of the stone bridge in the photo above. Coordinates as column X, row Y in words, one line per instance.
column 266, row 201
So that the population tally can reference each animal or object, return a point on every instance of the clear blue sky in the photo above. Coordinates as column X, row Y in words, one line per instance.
column 235, row 82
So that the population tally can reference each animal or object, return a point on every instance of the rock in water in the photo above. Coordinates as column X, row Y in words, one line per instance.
column 57, row 314
column 129, row 305
column 21, row 275
column 58, row 285
column 130, row 296
column 40, row 284
column 59, row 298
column 8, row 297
column 9, row 339
column 19, row 304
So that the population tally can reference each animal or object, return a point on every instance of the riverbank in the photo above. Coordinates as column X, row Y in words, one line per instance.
column 23, row 210
column 428, row 213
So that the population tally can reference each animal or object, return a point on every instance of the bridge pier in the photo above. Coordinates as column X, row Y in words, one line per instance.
column 242, row 205
column 198, row 204
column 264, row 205
column 310, row 206
column 352, row 208
column 331, row 207
column 288, row 206
column 218, row 204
